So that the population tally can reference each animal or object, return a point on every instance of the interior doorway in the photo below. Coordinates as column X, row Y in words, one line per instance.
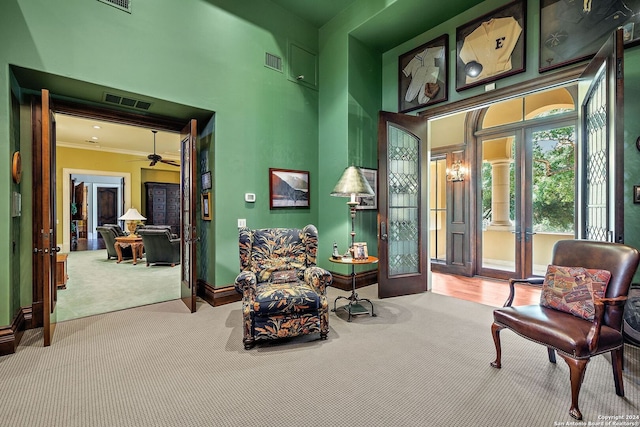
column 97, row 182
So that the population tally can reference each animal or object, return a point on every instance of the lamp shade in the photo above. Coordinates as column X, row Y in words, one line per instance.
column 132, row 215
column 352, row 182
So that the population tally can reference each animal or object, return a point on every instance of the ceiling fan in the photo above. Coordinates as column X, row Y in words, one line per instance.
column 155, row 158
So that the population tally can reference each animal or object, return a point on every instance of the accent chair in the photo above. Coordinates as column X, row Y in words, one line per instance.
column 159, row 246
column 109, row 232
column 283, row 291
column 581, row 307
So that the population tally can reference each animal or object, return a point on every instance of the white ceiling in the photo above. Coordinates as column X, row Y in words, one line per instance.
column 78, row 132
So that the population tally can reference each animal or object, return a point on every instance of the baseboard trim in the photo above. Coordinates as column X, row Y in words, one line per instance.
column 228, row 294
column 217, row 296
column 365, row 278
column 10, row 336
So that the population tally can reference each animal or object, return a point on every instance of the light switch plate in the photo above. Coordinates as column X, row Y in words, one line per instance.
column 242, row 222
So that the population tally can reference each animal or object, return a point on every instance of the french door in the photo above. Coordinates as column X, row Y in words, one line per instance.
column 602, row 144
column 188, row 206
column 527, row 197
column 402, row 200
column 44, row 230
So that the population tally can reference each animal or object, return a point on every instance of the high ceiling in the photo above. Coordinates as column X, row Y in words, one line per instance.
column 316, row 12
column 89, row 134
column 400, row 21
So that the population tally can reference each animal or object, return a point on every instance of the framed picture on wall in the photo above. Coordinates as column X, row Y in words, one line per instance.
column 369, row 202
column 206, row 206
column 206, row 180
column 423, row 75
column 288, row 188
column 492, row 46
column 573, row 31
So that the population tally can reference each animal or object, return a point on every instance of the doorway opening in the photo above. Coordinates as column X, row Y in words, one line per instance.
column 103, row 168
column 521, row 196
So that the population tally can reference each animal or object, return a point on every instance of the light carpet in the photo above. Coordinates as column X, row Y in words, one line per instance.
column 99, row 285
column 423, row 361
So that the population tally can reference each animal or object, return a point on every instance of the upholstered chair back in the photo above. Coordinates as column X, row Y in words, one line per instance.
column 267, row 250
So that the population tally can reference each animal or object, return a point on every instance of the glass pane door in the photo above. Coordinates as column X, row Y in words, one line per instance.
column 527, row 198
column 438, row 210
column 553, row 192
column 498, row 195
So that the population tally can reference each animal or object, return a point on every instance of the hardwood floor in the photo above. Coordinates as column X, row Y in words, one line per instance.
column 482, row 290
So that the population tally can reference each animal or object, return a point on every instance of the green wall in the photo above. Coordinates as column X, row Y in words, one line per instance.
column 209, row 54
column 193, row 52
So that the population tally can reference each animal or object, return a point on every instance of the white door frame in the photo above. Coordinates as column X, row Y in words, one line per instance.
column 66, row 198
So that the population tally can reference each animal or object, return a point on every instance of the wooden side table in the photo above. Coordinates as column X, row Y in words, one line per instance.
column 354, row 307
column 135, row 242
column 61, row 270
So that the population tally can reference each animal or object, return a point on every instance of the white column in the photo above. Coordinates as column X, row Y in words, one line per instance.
column 500, row 193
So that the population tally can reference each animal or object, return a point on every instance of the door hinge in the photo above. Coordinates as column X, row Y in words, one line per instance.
column 619, row 71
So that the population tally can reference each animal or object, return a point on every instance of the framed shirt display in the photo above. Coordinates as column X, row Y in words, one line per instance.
column 491, row 47
column 422, row 75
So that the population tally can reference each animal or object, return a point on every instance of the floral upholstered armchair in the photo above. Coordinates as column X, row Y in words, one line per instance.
column 283, row 291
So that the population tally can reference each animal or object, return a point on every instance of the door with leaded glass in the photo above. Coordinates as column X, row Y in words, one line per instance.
column 402, row 200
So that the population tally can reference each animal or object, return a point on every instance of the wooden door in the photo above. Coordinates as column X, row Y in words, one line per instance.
column 601, row 144
column 107, row 205
column 188, row 209
column 402, row 213
column 44, row 230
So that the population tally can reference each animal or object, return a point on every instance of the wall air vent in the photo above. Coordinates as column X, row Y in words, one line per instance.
column 126, row 101
column 272, row 61
column 124, row 5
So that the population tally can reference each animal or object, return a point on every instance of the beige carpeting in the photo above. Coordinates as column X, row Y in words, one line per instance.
column 99, row 285
column 424, row 361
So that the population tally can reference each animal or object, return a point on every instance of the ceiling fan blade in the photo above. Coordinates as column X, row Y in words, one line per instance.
column 170, row 162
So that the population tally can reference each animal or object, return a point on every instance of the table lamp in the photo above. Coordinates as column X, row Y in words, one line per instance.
column 352, row 184
column 131, row 217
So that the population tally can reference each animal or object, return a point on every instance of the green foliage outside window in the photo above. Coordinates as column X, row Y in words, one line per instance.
column 553, row 182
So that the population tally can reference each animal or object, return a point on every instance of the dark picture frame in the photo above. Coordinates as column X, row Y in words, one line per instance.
column 423, row 75
column 206, row 181
column 206, row 206
column 636, row 194
column 369, row 202
column 492, row 46
column 572, row 31
column 288, row 189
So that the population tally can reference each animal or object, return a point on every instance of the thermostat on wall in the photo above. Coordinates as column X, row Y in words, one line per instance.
column 249, row 197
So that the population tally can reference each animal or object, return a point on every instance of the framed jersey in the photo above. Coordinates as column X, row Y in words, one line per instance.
column 572, row 31
column 492, row 46
column 422, row 75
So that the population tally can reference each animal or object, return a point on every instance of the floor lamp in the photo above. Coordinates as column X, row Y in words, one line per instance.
column 352, row 184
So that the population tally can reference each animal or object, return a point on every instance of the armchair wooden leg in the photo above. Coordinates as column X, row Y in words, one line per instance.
column 577, row 369
column 495, row 332
column 552, row 355
column 617, row 363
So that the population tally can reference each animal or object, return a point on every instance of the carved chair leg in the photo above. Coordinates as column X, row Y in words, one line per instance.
column 552, row 355
column 495, row 332
column 617, row 363
column 577, row 369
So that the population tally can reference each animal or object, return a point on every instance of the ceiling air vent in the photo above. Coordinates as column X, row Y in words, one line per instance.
column 272, row 61
column 124, row 5
column 126, row 101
